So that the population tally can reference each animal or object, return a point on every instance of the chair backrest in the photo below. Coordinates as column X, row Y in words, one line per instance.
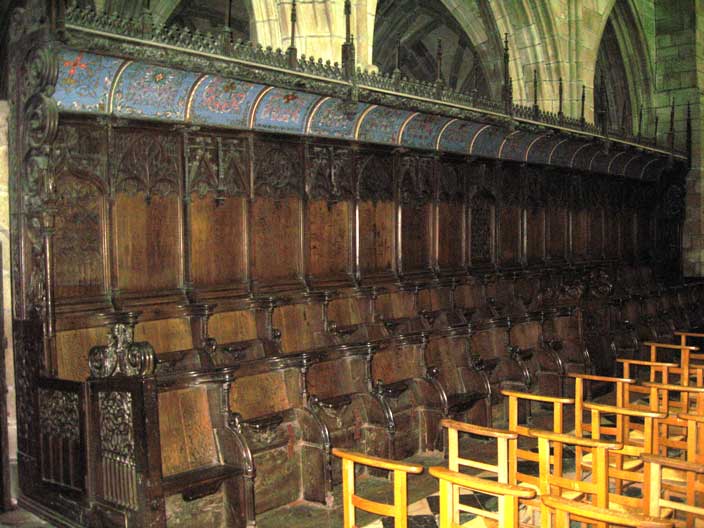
column 516, row 453
column 507, row 494
column 658, row 372
column 398, row 510
column 565, row 509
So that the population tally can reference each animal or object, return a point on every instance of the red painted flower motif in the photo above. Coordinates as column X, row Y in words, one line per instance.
column 290, row 97
column 74, row 65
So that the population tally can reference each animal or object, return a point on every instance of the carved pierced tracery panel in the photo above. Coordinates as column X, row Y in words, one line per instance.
column 278, row 171
column 482, row 229
column 376, row 179
column 217, row 165
column 58, row 414
column 330, row 176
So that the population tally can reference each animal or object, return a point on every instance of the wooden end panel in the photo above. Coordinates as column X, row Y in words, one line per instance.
column 557, row 233
column 276, row 235
column 148, row 241
column 509, row 250
column 329, row 248
column 230, row 327
column 218, row 249
column 395, row 305
column 266, row 393
column 398, row 364
column 349, row 311
column 301, row 326
column 376, row 236
column 335, row 378
column 165, row 335
column 535, row 235
column 187, row 440
column 72, row 347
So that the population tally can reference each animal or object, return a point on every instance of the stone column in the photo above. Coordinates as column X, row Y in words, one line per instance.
column 6, row 282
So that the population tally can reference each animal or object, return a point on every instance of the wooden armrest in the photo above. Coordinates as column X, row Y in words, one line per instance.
column 609, row 516
column 674, row 463
column 480, row 484
column 381, row 463
column 574, row 440
column 672, row 387
column 623, row 410
column 478, row 429
column 594, row 377
column 691, row 417
column 536, row 397
column 688, row 334
column 647, row 363
column 670, row 346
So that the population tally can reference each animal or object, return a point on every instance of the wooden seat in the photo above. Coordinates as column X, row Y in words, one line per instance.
column 398, row 510
column 659, row 494
column 450, row 508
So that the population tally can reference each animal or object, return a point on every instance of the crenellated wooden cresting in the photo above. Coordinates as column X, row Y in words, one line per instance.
column 222, row 273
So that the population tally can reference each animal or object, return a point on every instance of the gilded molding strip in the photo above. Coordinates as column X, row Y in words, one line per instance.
column 442, row 131
column 361, row 120
column 614, row 159
column 311, row 116
column 574, row 156
column 191, row 94
column 474, row 138
column 525, row 159
column 115, row 82
column 399, row 140
column 501, row 148
column 552, row 152
column 253, row 111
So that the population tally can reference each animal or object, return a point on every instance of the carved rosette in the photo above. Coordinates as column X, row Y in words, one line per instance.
column 116, row 432
column 122, row 356
column 58, row 414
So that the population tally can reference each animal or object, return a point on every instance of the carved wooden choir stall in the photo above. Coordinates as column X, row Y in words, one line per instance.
column 229, row 261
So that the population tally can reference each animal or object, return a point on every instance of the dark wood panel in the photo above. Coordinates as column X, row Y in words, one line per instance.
column 415, row 237
column 329, row 248
column 451, row 235
column 376, row 236
column 509, row 243
column 557, row 239
column 148, row 242
column 535, row 235
column 218, row 243
column 276, row 234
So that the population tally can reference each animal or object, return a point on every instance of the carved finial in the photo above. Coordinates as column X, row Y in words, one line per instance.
column 603, row 104
column 561, row 88
column 640, row 123
column 348, row 52
column 689, row 133
column 292, row 52
column 146, row 19
column 507, row 91
column 227, row 30
column 438, row 62
column 624, row 117
column 348, row 21
column 536, row 108
column 584, row 98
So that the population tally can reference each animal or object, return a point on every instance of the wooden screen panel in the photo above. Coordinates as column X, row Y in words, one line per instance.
column 580, row 233
column 376, row 236
column 72, row 347
column 644, row 234
column 398, row 363
column 230, row 327
column 611, row 232
column 535, row 235
column 267, row 393
column 451, row 235
column 218, row 238
column 349, row 311
column 509, row 236
column 329, row 238
column 628, row 234
column 596, row 233
column 557, row 233
column 334, row 378
column 79, row 257
column 165, row 335
column 395, row 305
column 276, row 239
column 482, row 229
column 415, row 237
column 148, row 242
column 187, row 440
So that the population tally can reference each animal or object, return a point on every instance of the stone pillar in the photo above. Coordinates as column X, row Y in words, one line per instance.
column 6, row 282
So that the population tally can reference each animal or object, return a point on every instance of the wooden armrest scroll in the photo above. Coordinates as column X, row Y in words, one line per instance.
column 480, row 484
column 381, row 463
column 536, row 397
column 478, row 429
column 610, row 516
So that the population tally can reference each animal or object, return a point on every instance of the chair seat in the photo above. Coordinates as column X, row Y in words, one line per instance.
column 628, row 463
column 666, row 513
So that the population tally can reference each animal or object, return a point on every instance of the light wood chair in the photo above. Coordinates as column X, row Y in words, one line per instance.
column 687, row 372
column 508, row 496
column 657, row 372
column 516, row 453
column 455, row 462
column 565, row 509
column 398, row 510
